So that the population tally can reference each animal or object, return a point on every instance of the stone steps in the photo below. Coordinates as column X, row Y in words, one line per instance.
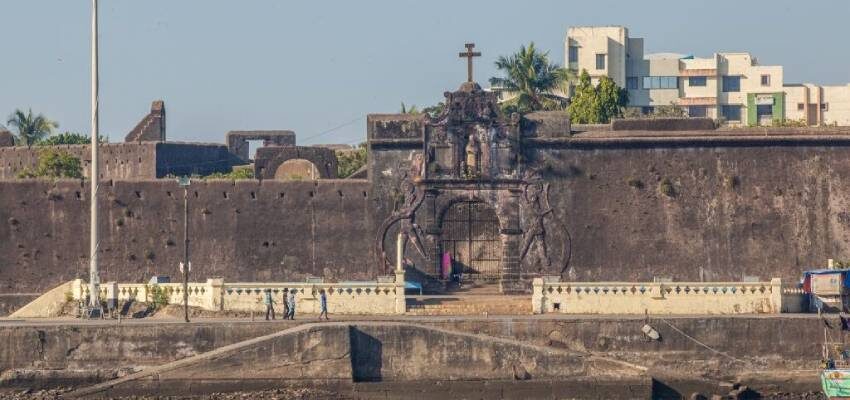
column 470, row 305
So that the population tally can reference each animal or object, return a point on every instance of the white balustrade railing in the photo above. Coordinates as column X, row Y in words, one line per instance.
column 551, row 295
column 359, row 297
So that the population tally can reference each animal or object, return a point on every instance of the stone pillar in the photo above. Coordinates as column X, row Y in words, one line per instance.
column 215, row 295
column 400, row 298
column 776, row 296
column 77, row 289
column 399, row 252
column 511, row 236
column 432, row 231
column 510, row 279
column 537, row 297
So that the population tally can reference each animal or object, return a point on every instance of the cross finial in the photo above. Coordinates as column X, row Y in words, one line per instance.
column 468, row 55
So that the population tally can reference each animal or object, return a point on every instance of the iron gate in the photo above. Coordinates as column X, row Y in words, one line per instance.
column 470, row 235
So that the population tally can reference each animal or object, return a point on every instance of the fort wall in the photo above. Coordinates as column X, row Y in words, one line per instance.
column 144, row 160
column 244, row 231
column 710, row 209
column 685, row 206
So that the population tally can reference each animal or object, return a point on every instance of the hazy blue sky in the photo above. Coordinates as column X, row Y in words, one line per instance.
column 312, row 66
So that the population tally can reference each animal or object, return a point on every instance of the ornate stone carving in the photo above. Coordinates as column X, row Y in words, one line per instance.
column 406, row 217
column 536, row 243
column 471, row 140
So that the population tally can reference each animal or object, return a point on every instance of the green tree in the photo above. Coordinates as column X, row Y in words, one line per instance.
column 68, row 138
column 435, row 110
column 530, row 81
column 597, row 105
column 349, row 161
column 55, row 164
column 584, row 108
column 31, row 128
column 237, row 173
column 409, row 110
column 611, row 98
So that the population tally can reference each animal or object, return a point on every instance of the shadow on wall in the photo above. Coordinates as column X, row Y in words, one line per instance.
column 366, row 355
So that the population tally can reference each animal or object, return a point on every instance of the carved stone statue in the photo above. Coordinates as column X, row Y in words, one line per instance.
column 406, row 217
column 534, row 239
column 473, row 154
column 408, row 227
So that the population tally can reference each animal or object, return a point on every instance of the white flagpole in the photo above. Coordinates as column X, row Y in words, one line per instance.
column 94, row 174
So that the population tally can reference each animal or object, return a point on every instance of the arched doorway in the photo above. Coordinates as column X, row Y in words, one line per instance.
column 297, row 169
column 470, row 238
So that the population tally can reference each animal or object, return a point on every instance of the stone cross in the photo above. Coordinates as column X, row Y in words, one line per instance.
column 469, row 54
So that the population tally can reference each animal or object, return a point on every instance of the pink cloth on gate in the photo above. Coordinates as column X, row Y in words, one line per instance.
column 446, row 266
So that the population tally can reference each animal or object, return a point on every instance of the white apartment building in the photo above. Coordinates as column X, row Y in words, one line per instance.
column 729, row 86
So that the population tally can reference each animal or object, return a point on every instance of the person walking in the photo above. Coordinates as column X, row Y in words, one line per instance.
column 291, row 301
column 285, row 304
column 323, row 299
column 269, row 301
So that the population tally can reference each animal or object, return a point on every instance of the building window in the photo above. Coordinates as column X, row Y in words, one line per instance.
column 647, row 110
column 824, row 106
column 732, row 84
column 600, row 61
column 573, row 54
column 764, row 110
column 697, row 81
column 731, row 112
column 697, row 111
column 801, row 106
column 632, row 82
column 765, row 80
column 660, row 82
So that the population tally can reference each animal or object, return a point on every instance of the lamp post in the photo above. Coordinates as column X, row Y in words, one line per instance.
column 185, row 266
column 94, row 176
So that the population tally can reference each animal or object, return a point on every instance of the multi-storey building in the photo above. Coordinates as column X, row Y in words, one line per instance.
column 733, row 87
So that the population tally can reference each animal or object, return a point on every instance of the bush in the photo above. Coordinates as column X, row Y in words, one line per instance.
column 55, row 164
column 349, row 161
column 237, row 173
column 158, row 297
column 666, row 188
column 68, row 138
column 790, row 123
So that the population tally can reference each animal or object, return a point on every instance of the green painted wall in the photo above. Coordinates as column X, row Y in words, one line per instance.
column 778, row 108
column 752, row 117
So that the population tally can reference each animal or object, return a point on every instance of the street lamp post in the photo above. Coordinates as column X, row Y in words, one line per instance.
column 94, row 176
column 184, row 182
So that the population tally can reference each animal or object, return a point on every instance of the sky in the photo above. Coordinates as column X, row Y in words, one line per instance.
column 319, row 67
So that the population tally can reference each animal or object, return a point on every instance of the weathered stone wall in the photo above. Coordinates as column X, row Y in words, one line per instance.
column 117, row 160
column 242, row 231
column 689, row 206
column 144, row 160
column 756, row 207
column 192, row 159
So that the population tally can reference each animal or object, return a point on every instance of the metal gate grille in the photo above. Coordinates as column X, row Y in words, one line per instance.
column 471, row 236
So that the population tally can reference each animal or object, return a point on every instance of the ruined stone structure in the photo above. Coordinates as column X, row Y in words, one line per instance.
column 497, row 197
column 270, row 159
column 237, row 141
column 152, row 127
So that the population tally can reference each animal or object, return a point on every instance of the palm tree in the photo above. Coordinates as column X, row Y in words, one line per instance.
column 530, row 81
column 31, row 128
column 412, row 109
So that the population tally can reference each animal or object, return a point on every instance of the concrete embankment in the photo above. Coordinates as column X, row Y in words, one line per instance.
column 440, row 355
